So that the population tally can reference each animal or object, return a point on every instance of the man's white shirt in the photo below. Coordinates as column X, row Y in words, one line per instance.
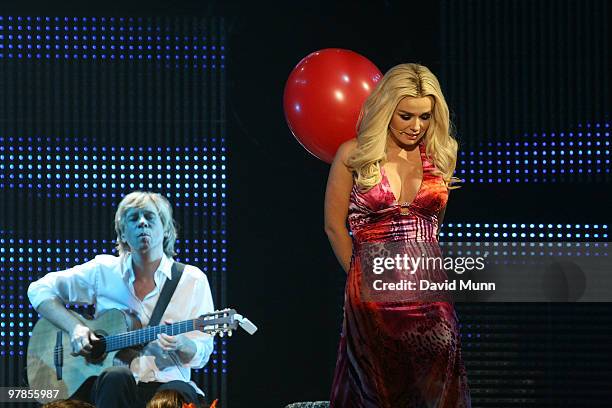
column 108, row 282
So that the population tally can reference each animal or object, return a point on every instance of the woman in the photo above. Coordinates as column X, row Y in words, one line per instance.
column 392, row 183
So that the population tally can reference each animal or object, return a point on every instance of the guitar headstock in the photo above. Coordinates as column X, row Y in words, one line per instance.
column 219, row 322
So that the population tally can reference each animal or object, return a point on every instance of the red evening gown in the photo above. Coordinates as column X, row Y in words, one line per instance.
column 398, row 354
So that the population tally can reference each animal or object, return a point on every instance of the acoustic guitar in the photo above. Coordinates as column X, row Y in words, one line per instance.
column 51, row 366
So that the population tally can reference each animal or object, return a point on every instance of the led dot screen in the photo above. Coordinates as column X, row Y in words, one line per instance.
column 568, row 156
column 107, row 38
column 532, row 231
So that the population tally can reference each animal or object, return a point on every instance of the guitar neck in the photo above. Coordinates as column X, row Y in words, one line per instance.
column 146, row 335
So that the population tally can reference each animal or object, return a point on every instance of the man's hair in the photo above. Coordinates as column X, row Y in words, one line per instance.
column 138, row 199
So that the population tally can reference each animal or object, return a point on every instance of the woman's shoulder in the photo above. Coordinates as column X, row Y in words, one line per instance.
column 345, row 149
column 348, row 145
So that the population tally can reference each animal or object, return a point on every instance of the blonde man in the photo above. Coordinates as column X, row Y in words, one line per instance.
column 133, row 282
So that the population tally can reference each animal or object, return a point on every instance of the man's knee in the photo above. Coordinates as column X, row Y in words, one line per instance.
column 114, row 387
column 116, row 376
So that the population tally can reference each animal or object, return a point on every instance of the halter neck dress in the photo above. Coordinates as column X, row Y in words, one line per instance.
column 398, row 354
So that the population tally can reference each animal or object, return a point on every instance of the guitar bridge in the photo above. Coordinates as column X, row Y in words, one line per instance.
column 58, row 355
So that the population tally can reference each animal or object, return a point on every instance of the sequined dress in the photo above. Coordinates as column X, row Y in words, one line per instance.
column 397, row 354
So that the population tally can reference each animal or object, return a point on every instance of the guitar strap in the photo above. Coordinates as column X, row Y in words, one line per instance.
column 166, row 294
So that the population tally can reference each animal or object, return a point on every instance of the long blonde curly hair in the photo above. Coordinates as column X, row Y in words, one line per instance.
column 399, row 82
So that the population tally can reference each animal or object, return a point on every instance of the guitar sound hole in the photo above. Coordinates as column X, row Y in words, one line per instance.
column 98, row 351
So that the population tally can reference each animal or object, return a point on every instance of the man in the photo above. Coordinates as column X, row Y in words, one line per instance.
column 133, row 282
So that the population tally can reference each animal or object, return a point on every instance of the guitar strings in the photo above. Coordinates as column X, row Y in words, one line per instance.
column 147, row 334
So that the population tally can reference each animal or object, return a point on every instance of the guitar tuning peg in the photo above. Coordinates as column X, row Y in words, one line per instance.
column 229, row 333
column 221, row 334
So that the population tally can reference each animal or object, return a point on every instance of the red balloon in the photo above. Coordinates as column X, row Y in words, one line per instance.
column 323, row 98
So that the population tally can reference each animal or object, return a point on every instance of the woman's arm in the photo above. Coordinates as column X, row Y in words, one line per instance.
column 337, row 195
column 441, row 217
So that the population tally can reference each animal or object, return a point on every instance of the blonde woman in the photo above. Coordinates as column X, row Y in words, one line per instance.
column 392, row 184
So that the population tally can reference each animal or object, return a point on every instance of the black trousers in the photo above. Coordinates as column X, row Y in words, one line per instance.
column 115, row 387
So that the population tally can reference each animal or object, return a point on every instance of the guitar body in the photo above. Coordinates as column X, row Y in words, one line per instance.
column 41, row 369
column 121, row 334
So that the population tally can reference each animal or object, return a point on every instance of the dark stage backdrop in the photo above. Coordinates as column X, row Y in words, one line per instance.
column 527, row 84
column 91, row 108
